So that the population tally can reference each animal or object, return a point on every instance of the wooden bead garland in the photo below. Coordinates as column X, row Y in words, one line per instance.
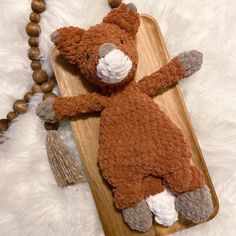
column 33, row 29
column 28, row 96
column 36, row 89
column 39, row 76
column 114, row 3
column 4, row 123
column 34, row 17
column 33, row 41
column 38, row 6
column 48, row 86
column 35, row 65
column 63, row 166
column 11, row 116
column 20, row 106
column 49, row 95
column 51, row 126
column 34, row 53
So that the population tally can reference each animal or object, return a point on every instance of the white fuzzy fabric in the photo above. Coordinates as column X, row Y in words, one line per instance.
column 162, row 205
column 30, row 201
column 114, row 67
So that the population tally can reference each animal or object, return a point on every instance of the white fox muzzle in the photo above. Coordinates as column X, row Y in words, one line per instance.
column 113, row 64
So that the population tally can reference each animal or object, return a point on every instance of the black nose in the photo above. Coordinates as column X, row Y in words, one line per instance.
column 105, row 49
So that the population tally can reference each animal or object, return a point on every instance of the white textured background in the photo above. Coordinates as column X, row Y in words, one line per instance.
column 30, row 202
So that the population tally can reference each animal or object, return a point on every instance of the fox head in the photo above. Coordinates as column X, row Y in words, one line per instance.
column 106, row 53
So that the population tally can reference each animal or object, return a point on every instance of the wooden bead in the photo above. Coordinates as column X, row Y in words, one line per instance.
column 20, row 106
column 49, row 95
column 40, row 76
column 114, row 3
column 34, row 53
column 33, row 29
column 34, row 17
column 37, row 89
column 28, row 96
column 36, row 65
column 51, row 126
column 38, row 6
column 11, row 116
column 33, row 41
column 4, row 124
column 48, row 86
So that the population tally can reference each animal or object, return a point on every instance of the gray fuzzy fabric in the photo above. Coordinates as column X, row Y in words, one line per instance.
column 105, row 49
column 191, row 61
column 132, row 7
column 54, row 35
column 45, row 111
column 195, row 206
column 139, row 217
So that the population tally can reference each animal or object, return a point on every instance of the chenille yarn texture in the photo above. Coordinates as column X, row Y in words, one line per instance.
column 137, row 140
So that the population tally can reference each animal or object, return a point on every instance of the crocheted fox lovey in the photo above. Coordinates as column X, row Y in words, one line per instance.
column 141, row 151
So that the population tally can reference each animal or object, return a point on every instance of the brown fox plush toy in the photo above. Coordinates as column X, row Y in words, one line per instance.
column 141, row 151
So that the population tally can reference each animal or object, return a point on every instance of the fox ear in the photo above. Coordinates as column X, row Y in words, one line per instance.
column 126, row 17
column 67, row 40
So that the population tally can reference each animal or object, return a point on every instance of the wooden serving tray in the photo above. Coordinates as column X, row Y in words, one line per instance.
column 152, row 56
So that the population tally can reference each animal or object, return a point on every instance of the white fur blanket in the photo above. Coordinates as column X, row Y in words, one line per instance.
column 30, row 201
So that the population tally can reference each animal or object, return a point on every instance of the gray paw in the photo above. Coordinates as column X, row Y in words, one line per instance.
column 139, row 217
column 45, row 111
column 190, row 61
column 195, row 206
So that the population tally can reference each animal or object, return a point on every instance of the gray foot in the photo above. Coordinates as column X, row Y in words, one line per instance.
column 139, row 217
column 190, row 61
column 195, row 206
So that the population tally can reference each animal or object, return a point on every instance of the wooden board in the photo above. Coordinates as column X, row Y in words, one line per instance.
column 152, row 56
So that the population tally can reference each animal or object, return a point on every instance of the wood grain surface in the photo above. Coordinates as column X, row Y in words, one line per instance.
column 152, row 56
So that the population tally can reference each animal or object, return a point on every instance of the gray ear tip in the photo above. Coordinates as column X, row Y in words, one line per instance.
column 54, row 35
column 132, row 7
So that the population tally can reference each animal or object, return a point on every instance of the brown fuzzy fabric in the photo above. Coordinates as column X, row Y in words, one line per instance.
column 67, row 41
column 125, row 17
column 152, row 186
column 96, row 36
column 73, row 106
column 138, row 142
column 81, row 47
column 165, row 77
column 184, row 180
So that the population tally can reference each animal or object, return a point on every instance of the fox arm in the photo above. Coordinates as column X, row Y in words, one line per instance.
column 73, row 106
column 181, row 66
